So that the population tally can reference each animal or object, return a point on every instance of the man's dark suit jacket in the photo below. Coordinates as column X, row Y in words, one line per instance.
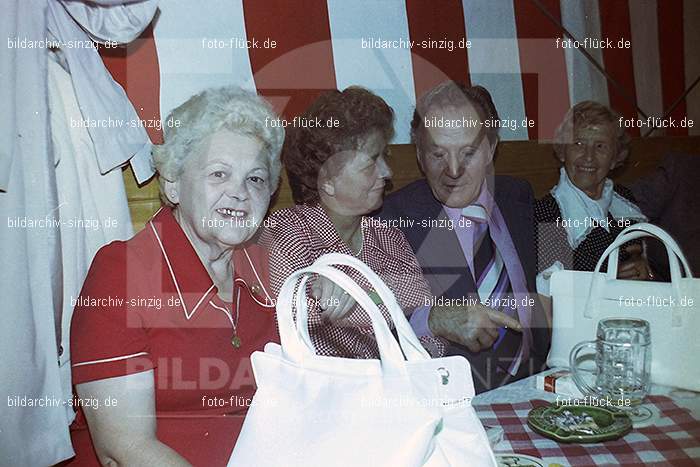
column 669, row 197
column 445, row 267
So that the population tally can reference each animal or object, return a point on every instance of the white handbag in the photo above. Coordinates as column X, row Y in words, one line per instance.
column 312, row 410
column 581, row 299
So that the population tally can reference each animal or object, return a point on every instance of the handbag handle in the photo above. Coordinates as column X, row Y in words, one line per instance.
column 411, row 346
column 297, row 348
column 644, row 230
column 611, row 254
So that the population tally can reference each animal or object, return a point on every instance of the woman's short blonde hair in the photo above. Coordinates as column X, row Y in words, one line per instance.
column 230, row 108
column 589, row 113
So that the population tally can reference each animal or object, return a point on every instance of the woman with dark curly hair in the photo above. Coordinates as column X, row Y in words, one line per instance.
column 338, row 174
column 585, row 211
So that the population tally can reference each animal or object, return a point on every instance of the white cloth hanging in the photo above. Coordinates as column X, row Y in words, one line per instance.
column 92, row 207
column 35, row 218
column 30, row 276
column 100, row 97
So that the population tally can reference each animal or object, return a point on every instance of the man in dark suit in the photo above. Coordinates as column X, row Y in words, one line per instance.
column 669, row 198
column 472, row 233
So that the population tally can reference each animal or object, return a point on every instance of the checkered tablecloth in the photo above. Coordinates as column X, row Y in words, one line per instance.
column 674, row 440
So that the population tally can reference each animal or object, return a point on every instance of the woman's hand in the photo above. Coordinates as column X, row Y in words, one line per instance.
column 635, row 268
column 334, row 302
column 125, row 433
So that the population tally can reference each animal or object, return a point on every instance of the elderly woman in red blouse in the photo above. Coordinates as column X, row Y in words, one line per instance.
column 338, row 174
column 165, row 324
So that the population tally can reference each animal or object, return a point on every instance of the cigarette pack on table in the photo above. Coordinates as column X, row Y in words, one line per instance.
column 559, row 382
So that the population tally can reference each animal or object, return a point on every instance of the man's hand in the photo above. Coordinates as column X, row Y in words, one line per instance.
column 475, row 327
column 334, row 302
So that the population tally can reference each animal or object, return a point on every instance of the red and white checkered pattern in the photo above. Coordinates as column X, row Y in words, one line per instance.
column 673, row 441
column 300, row 235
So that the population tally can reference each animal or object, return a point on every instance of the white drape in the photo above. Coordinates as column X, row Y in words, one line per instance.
column 57, row 207
column 93, row 207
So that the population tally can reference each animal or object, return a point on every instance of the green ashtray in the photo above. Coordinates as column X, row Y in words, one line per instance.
column 579, row 423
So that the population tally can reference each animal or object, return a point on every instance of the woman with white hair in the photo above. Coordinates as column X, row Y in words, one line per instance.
column 165, row 324
column 586, row 210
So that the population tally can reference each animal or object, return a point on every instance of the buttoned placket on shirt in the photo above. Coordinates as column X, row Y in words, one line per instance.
column 212, row 290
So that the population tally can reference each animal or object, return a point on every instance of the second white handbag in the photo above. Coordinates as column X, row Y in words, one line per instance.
column 580, row 299
column 404, row 409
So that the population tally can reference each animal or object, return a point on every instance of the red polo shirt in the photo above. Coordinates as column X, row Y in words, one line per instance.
column 149, row 303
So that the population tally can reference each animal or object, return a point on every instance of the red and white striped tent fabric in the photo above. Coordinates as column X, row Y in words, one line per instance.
column 514, row 52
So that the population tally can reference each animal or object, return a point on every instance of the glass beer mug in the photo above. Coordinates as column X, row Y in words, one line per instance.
column 623, row 360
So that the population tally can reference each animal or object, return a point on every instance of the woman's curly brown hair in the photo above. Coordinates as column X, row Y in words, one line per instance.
column 355, row 113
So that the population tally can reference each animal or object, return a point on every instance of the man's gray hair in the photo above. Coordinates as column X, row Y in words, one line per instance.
column 230, row 108
column 452, row 94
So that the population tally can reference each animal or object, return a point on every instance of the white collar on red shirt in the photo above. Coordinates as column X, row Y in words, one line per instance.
column 187, row 266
